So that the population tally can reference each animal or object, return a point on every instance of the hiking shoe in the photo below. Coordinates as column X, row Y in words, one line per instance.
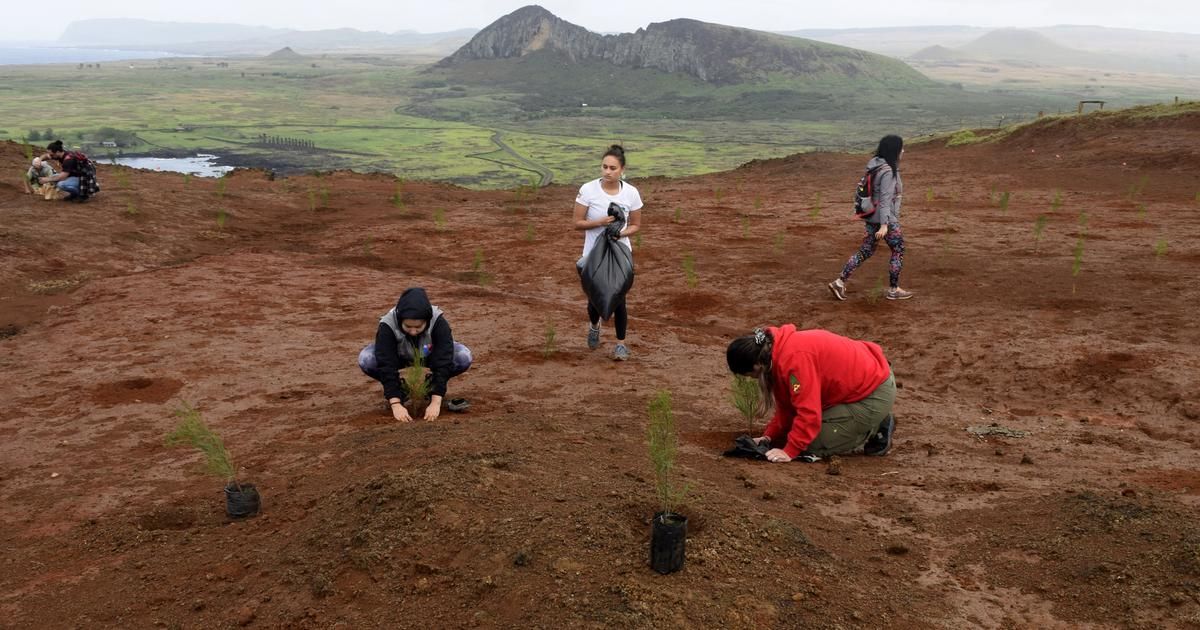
column 593, row 338
column 881, row 442
column 838, row 288
column 620, row 353
column 458, row 405
column 808, row 458
column 898, row 294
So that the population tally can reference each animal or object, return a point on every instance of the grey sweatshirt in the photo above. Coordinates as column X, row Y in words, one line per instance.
column 888, row 192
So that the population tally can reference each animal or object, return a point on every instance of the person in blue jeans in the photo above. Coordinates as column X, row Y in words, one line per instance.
column 415, row 325
column 78, row 176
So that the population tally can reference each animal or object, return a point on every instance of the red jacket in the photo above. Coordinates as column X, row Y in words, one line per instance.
column 814, row 370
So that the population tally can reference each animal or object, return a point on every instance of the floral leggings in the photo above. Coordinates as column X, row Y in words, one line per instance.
column 894, row 240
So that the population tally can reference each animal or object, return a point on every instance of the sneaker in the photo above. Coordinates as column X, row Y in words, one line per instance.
column 458, row 405
column 838, row 288
column 593, row 338
column 880, row 443
column 808, row 458
column 620, row 353
column 898, row 294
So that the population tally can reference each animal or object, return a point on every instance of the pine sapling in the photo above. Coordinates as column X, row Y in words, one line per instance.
column 777, row 244
column 551, row 336
column 324, row 197
column 439, row 218
column 312, row 201
column 1039, row 226
column 663, row 444
column 222, row 217
column 187, row 179
column 192, row 431
column 220, row 189
column 29, row 158
column 876, row 292
column 637, row 240
column 745, row 226
column 678, row 215
column 689, row 270
column 414, row 380
column 718, row 194
column 131, row 210
column 929, row 195
column 1160, row 248
column 529, row 232
column 1056, row 203
column 758, row 201
column 477, row 263
column 1004, row 197
column 398, row 198
column 816, row 209
column 747, row 397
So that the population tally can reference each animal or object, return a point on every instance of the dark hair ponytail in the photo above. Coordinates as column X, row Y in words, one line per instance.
column 889, row 149
column 55, row 146
column 616, row 151
column 748, row 352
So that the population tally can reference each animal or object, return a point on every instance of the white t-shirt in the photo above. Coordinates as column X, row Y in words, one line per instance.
column 593, row 196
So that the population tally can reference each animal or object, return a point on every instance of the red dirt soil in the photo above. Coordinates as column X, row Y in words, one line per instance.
column 531, row 510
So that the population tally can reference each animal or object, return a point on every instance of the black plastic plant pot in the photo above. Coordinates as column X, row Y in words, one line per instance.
column 668, row 536
column 241, row 501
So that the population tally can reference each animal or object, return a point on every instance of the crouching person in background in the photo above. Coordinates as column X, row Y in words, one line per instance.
column 413, row 326
column 78, row 176
column 33, row 178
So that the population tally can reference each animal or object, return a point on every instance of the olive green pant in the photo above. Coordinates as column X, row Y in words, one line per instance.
column 847, row 427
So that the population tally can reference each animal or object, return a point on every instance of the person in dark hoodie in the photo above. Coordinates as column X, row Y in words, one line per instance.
column 832, row 395
column 415, row 325
column 884, row 223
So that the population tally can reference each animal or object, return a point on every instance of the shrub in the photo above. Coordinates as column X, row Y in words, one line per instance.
column 747, row 396
column 192, row 431
column 964, row 136
column 663, row 444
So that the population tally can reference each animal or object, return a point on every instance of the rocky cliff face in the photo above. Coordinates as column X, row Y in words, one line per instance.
column 709, row 52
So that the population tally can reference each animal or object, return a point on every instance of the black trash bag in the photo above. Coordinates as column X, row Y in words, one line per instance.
column 745, row 446
column 607, row 272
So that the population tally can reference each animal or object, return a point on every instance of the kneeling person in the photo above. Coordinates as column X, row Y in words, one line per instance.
column 415, row 325
column 832, row 395
column 33, row 184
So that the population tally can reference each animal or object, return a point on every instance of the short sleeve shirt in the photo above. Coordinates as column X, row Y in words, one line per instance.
column 593, row 196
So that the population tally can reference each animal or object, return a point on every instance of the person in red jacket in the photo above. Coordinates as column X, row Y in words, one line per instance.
column 831, row 394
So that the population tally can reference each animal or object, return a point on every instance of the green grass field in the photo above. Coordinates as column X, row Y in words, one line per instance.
column 374, row 113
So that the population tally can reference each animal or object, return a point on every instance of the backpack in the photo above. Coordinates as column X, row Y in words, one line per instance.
column 864, row 195
column 86, row 168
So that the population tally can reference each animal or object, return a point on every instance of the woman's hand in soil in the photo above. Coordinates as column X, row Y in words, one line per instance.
column 400, row 413
column 434, row 408
column 778, row 456
column 882, row 231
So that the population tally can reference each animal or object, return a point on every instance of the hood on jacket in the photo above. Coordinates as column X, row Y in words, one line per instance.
column 876, row 161
column 413, row 304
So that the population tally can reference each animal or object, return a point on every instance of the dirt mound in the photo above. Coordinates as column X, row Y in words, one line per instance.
column 250, row 298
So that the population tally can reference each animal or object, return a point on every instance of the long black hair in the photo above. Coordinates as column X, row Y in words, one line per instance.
column 889, row 149
column 746, row 353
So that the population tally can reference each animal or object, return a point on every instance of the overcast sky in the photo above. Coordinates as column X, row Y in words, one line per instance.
column 46, row 20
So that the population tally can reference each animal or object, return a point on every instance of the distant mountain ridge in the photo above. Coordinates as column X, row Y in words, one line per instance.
column 713, row 53
column 224, row 39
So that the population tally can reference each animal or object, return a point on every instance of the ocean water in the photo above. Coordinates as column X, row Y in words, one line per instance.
column 201, row 165
column 29, row 55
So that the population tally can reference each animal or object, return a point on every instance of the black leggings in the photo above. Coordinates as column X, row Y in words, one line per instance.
column 621, row 315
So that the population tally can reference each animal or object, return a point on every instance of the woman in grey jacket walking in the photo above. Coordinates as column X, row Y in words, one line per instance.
column 884, row 223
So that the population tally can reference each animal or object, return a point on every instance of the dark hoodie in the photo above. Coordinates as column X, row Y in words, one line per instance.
column 394, row 349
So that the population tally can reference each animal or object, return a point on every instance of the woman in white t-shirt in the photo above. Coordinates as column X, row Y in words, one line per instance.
column 591, row 215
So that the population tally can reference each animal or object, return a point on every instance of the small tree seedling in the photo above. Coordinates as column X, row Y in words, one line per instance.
column 718, row 194
column 876, row 292
column 747, row 396
column 312, row 201
column 222, row 217
column 398, row 198
column 1056, row 202
column 220, row 188
column 637, row 240
column 192, row 431
column 777, row 243
column 1004, row 198
column 187, row 179
column 324, row 197
column 414, row 380
column 758, row 201
column 551, row 336
column 477, row 263
column 689, row 271
column 529, row 232
column 1039, row 226
column 131, row 209
column 663, row 444
column 678, row 215
column 745, row 226
column 1160, row 248
column 816, row 209
column 439, row 218
column 929, row 195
